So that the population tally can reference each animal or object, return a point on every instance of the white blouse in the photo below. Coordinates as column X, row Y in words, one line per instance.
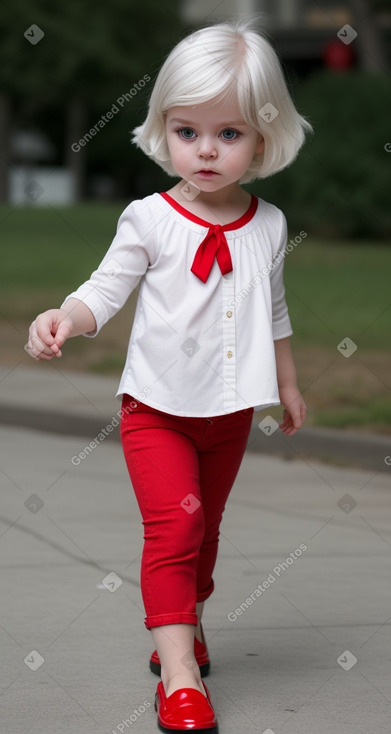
column 196, row 349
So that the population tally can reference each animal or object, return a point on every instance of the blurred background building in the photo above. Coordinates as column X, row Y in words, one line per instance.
column 305, row 33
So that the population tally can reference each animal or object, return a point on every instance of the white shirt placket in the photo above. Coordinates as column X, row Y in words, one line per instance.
column 229, row 343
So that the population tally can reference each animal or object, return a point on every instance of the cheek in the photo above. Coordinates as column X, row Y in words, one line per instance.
column 236, row 156
column 250, row 151
column 176, row 146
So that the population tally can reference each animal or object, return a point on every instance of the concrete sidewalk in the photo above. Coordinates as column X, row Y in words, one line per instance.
column 44, row 397
column 298, row 627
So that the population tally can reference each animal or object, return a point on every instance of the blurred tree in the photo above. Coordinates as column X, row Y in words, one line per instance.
column 89, row 55
column 370, row 41
column 339, row 185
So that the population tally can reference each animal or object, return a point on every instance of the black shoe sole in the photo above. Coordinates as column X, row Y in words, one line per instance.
column 214, row 730
column 156, row 668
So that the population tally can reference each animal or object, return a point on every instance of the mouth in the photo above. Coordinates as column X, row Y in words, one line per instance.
column 206, row 172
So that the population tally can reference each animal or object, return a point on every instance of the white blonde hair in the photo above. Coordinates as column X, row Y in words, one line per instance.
column 233, row 61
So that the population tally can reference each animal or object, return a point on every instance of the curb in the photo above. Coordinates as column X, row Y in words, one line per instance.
column 342, row 448
column 327, row 445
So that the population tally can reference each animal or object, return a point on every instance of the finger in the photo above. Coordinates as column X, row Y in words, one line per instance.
column 291, row 423
column 36, row 349
column 300, row 418
column 45, row 329
column 56, row 351
column 35, row 346
column 52, row 334
column 291, row 430
column 285, row 423
column 62, row 333
column 31, row 351
column 285, row 416
column 286, row 427
column 297, row 417
column 37, row 341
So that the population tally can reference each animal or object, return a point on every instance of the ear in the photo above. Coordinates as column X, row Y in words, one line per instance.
column 260, row 145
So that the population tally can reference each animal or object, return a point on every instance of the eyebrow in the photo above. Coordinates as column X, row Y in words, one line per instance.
column 222, row 124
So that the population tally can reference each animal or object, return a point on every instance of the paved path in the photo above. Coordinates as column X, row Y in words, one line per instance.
column 44, row 396
column 75, row 655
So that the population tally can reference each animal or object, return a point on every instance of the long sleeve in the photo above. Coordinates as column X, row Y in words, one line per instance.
column 127, row 259
column 281, row 322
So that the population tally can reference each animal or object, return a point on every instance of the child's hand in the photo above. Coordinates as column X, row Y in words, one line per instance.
column 48, row 333
column 295, row 410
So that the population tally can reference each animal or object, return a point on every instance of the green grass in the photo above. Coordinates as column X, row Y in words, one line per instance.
column 54, row 247
column 333, row 289
column 337, row 289
column 376, row 412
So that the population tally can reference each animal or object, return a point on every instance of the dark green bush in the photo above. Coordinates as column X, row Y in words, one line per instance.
column 340, row 183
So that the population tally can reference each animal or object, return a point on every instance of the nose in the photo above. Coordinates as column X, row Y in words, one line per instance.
column 206, row 147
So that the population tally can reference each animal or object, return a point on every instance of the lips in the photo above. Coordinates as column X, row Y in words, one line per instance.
column 207, row 172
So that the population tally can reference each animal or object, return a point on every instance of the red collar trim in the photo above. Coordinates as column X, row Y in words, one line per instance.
column 244, row 219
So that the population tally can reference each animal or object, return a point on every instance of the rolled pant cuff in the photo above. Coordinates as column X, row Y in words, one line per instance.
column 173, row 618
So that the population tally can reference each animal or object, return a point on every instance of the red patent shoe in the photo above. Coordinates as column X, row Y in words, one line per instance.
column 185, row 710
column 200, row 652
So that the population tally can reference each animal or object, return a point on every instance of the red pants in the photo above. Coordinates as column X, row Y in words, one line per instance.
column 182, row 470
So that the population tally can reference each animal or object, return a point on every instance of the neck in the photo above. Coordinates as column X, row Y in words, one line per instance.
column 227, row 198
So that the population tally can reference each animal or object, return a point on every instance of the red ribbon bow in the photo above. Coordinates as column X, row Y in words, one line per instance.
column 214, row 245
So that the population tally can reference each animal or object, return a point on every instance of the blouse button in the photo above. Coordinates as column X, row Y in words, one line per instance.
column 229, row 354
column 229, row 314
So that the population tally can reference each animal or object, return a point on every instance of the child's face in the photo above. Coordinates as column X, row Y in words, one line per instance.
column 212, row 146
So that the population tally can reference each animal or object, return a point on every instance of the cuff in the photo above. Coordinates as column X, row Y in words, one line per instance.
column 157, row 620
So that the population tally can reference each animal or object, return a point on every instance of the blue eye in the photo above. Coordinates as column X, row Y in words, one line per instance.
column 229, row 134
column 187, row 133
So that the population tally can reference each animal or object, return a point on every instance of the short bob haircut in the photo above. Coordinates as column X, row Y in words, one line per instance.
column 227, row 61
